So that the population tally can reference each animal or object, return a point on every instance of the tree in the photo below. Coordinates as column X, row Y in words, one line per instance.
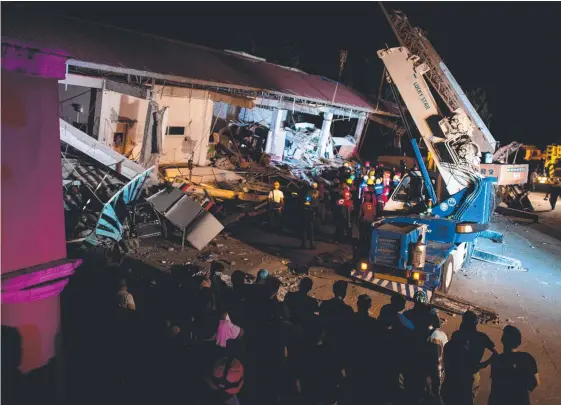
column 479, row 100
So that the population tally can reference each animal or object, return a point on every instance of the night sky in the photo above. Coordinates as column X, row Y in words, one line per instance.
column 508, row 49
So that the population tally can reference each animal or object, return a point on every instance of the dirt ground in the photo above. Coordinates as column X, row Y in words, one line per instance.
column 529, row 299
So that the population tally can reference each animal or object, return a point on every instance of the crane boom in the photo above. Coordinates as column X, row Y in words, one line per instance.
column 439, row 76
column 447, row 139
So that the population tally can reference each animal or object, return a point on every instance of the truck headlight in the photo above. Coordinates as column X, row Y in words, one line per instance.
column 363, row 266
column 464, row 228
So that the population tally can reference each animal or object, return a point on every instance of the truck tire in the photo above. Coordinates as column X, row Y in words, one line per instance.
column 446, row 276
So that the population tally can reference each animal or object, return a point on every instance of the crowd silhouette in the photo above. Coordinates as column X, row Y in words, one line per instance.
column 240, row 344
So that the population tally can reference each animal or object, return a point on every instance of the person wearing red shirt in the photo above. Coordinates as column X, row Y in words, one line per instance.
column 367, row 215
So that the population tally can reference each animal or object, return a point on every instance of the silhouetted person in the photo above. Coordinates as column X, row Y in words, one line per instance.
column 240, row 299
column 554, row 192
column 467, row 348
column 514, row 374
column 422, row 316
column 391, row 316
column 318, row 371
column 457, row 385
column 300, row 305
column 337, row 317
column 365, row 368
column 239, row 289
column 270, row 342
column 395, row 338
column 12, row 377
column 420, row 362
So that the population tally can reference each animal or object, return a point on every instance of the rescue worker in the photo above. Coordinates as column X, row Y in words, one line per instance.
column 366, row 216
column 386, row 195
column 379, row 192
column 276, row 207
column 358, row 170
column 323, row 198
column 308, row 221
column 396, row 179
column 386, row 179
column 362, row 187
column 380, row 170
column 314, row 203
column 344, row 171
column 554, row 192
column 343, row 217
column 403, row 166
column 370, row 188
column 366, row 169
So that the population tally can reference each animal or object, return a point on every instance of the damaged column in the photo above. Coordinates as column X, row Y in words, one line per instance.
column 276, row 137
column 359, row 130
column 325, row 134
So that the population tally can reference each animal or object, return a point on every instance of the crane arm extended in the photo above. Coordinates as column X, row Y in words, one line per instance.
column 447, row 139
column 439, row 76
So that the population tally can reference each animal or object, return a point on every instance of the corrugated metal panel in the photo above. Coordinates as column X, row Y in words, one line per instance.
column 96, row 43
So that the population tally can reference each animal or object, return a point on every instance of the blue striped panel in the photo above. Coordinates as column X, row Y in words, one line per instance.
column 407, row 290
column 113, row 235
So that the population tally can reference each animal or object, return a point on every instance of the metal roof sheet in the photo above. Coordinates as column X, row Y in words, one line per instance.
column 96, row 43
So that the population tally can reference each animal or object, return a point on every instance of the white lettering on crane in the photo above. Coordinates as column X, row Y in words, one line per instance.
column 421, row 95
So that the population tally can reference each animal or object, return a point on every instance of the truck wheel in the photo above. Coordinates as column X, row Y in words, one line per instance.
column 446, row 276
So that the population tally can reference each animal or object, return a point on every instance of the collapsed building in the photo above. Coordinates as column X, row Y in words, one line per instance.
column 137, row 110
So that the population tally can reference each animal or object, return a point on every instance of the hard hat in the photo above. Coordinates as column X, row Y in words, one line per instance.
column 421, row 297
column 365, row 178
column 352, row 177
column 367, row 163
column 314, row 185
column 378, row 181
column 276, row 184
column 370, row 181
column 349, row 181
column 396, row 177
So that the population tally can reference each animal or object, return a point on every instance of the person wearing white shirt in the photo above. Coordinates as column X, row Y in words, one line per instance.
column 276, row 207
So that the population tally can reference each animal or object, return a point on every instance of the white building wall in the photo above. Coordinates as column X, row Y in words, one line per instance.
column 110, row 108
column 191, row 109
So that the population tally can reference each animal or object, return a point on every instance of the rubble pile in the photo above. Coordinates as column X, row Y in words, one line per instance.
column 235, row 185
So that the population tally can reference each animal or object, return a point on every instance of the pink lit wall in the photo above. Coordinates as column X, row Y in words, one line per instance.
column 38, row 324
column 33, row 246
column 32, row 219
